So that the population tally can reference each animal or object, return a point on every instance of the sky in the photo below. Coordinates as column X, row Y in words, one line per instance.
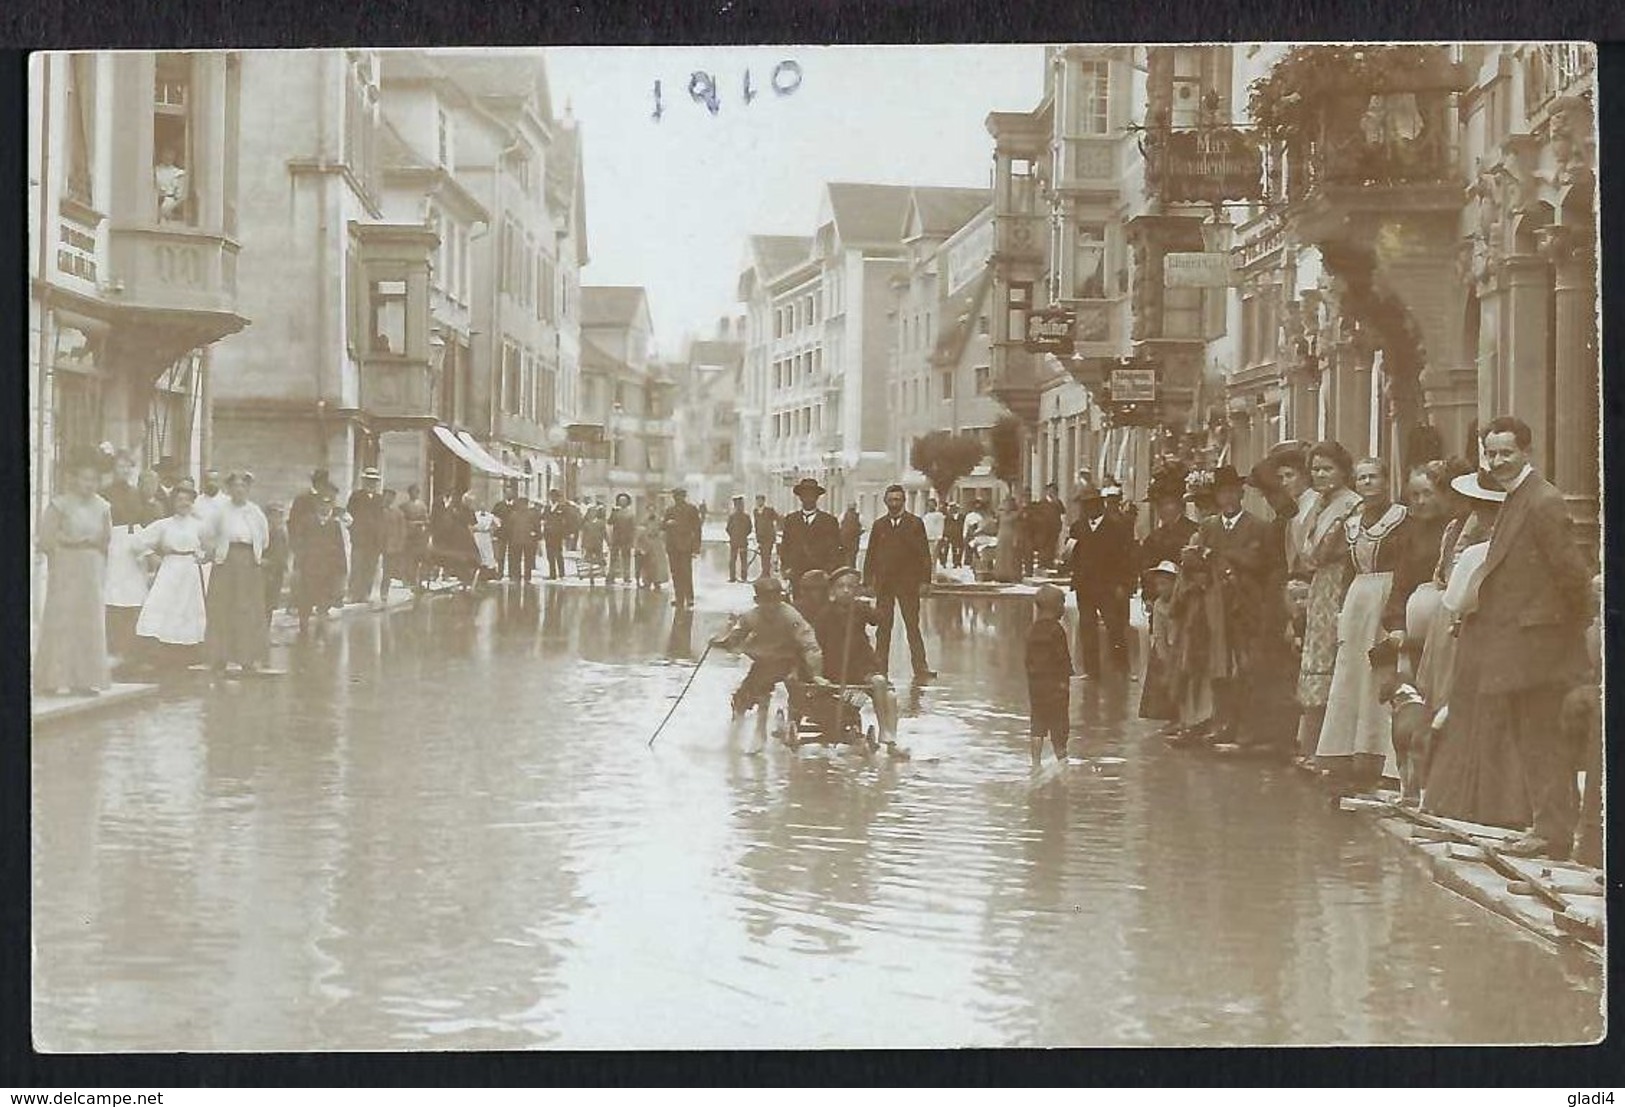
column 670, row 204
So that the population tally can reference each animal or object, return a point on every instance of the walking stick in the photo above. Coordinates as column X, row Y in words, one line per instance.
column 678, row 702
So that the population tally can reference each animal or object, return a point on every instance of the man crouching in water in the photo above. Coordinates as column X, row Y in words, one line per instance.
column 849, row 656
column 779, row 642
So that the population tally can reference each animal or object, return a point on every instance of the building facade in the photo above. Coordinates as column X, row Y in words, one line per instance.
column 415, row 227
column 707, row 383
column 134, row 201
column 627, row 392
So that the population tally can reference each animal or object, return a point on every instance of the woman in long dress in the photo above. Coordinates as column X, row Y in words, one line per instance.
column 1007, row 553
column 1356, row 738
column 127, row 575
column 1476, row 773
column 1324, row 555
column 484, row 530
column 74, row 535
column 174, row 620
column 237, row 630
column 653, row 568
column 323, row 568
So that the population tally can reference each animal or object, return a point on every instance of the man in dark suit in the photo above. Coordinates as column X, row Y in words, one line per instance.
column 682, row 527
column 739, row 528
column 1237, row 545
column 1103, row 573
column 1529, row 632
column 521, row 527
column 767, row 533
column 500, row 540
column 953, row 536
column 897, row 568
column 555, row 525
column 366, row 508
column 811, row 538
column 1049, row 515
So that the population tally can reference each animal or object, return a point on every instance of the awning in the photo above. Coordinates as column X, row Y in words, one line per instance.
column 450, row 440
column 489, row 463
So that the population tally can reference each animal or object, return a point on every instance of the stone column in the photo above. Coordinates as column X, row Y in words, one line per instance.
column 1574, row 449
column 1527, row 280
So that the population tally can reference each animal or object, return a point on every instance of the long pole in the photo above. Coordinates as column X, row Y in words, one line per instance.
column 678, row 701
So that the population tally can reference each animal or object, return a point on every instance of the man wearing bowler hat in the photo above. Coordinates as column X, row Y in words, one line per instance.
column 682, row 527
column 898, row 569
column 1238, row 545
column 1103, row 573
column 366, row 508
column 811, row 537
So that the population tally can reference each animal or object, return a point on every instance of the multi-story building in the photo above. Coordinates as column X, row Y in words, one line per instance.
column 413, row 258
column 767, row 259
column 134, row 192
column 629, row 393
column 819, row 344
column 937, row 318
column 707, row 388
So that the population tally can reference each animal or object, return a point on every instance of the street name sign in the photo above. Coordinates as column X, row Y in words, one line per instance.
column 1196, row 270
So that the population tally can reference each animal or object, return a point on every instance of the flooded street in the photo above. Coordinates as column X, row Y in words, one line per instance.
column 442, row 830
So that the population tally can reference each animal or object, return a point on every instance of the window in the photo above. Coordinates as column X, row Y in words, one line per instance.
column 1092, row 106
column 948, row 385
column 172, row 138
column 984, row 380
column 547, row 294
column 387, row 300
column 981, row 324
column 1187, row 89
column 620, row 395
column 437, row 269
column 443, row 140
column 361, row 120
column 1023, row 187
column 504, row 256
column 723, row 454
column 520, row 166
column 1089, row 262
column 510, row 378
column 527, row 273
column 462, row 265
column 81, row 126
column 1018, row 303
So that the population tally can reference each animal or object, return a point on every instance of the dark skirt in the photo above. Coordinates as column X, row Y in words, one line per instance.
column 1476, row 773
column 1157, row 699
column 236, row 607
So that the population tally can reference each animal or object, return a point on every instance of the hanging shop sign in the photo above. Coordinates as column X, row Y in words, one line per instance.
column 1133, row 386
column 1205, row 165
column 1051, row 332
column 1196, row 270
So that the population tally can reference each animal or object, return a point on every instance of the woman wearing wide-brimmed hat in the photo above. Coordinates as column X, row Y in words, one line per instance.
column 236, row 603
column 74, row 535
column 1476, row 773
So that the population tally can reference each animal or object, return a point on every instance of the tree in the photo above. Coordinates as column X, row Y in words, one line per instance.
column 1008, row 462
column 945, row 458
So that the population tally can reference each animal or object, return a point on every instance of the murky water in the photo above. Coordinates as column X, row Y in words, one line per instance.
column 443, row 830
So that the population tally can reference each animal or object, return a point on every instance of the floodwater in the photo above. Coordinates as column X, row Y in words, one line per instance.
column 442, row 830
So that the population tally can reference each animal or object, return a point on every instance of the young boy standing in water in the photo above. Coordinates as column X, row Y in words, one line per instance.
column 1049, row 674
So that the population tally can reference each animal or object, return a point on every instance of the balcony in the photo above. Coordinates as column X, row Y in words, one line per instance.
column 175, row 285
column 1019, row 237
column 1088, row 163
column 521, row 429
column 397, row 392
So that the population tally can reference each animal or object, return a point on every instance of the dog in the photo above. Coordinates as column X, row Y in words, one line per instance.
column 1413, row 722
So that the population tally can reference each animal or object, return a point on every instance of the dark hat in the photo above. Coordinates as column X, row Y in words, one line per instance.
column 319, row 476
column 841, row 574
column 768, row 588
column 814, row 577
column 807, row 484
column 1089, row 494
column 1225, row 476
column 679, row 492
column 1290, row 446
column 739, row 499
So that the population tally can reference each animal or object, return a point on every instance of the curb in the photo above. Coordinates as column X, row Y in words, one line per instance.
column 46, row 710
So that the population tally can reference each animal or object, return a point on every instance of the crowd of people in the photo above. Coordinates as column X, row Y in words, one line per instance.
column 1449, row 641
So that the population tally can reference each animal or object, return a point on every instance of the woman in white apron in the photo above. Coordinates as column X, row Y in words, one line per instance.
column 174, row 616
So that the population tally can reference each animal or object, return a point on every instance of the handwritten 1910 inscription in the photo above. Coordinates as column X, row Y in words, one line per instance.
column 704, row 90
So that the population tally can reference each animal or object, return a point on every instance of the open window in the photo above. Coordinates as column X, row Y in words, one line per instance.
column 173, row 151
column 389, row 290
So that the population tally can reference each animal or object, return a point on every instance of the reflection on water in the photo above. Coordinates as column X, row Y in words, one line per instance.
column 443, row 830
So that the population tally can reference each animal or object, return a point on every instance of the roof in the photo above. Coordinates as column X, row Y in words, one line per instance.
column 611, row 305
column 868, row 212
column 594, row 356
column 500, row 73
column 715, row 352
column 394, row 152
column 779, row 253
column 942, row 211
